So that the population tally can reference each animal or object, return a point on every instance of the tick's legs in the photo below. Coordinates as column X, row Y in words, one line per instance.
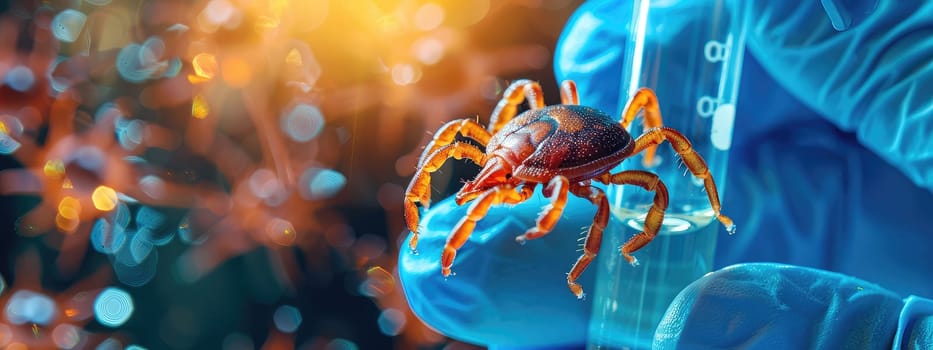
column 568, row 93
column 556, row 190
column 419, row 190
column 477, row 211
column 593, row 238
column 445, row 136
column 693, row 160
column 513, row 95
column 655, row 216
column 644, row 99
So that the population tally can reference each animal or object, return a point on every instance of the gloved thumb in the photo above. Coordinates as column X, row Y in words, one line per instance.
column 871, row 79
column 766, row 306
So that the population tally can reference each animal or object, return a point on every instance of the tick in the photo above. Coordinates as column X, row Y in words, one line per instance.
column 565, row 147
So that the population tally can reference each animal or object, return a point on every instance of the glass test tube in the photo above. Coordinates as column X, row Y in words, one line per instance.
column 690, row 54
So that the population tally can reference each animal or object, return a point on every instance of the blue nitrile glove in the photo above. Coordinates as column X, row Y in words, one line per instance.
column 773, row 306
column 875, row 79
column 802, row 185
column 502, row 293
column 801, row 190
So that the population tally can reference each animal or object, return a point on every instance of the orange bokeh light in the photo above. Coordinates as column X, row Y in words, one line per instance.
column 281, row 232
column 104, row 198
column 54, row 168
column 199, row 107
column 293, row 58
column 205, row 66
column 69, row 208
column 236, row 72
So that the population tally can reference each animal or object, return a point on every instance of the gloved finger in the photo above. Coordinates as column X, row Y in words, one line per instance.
column 591, row 51
column 846, row 13
column 810, row 195
column 872, row 79
column 503, row 293
column 766, row 306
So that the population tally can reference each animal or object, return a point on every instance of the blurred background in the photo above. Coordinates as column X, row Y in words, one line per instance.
column 228, row 174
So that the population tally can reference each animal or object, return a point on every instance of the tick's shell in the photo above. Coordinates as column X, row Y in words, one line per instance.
column 575, row 141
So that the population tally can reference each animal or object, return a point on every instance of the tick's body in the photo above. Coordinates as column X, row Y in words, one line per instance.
column 563, row 146
column 577, row 142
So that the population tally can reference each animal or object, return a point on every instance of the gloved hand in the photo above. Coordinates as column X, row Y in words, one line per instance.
column 840, row 181
column 773, row 306
column 501, row 293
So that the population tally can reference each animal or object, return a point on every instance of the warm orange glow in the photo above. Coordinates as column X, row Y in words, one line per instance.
column 6, row 334
column 218, row 12
column 205, row 66
column 236, row 72
column 428, row 50
column 68, row 211
column 293, row 58
column 278, row 7
column 65, row 224
column 281, row 231
column 194, row 79
column 199, row 107
column 69, row 208
column 469, row 15
column 404, row 74
column 54, row 168
column 71, row 312
column 429, row 16
column 312, row 14
column 104, row 198
column 267, row 22
column 67, row 184
column 389, row 24
column 273, row 17
column 3, row 128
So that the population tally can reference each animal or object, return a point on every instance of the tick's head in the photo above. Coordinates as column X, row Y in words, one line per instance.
column 496, row 172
